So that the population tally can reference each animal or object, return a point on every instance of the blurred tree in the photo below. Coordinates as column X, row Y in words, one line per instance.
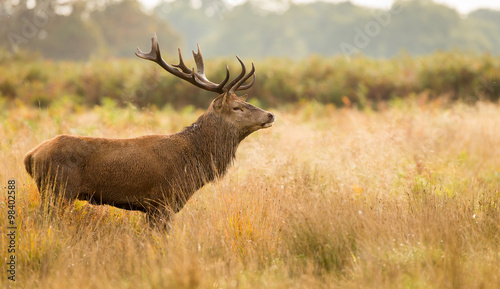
column 488, row 23
column 421, row 27
column 194, row 20
column 125, row 26
column 67, row 36
column 324, row 26
column 24, row 21
column 282, row 28
column 250, row 33
column 78, row 29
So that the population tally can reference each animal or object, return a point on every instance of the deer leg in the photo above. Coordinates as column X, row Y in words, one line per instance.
column 159, row 218
column 56, row 192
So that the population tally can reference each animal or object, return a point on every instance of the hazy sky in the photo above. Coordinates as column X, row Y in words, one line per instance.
column 464, row 6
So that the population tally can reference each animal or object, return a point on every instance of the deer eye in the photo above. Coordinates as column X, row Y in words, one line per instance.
column 236, row 108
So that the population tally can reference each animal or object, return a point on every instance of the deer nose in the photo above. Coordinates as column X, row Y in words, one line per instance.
column 270, row 116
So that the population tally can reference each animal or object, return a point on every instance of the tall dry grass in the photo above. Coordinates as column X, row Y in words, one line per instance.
column 408, row 197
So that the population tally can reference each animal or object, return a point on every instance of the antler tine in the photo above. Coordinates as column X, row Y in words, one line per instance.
column 200, row 70
column 181, row 64
column 198, row 58
column 153, row 55
column 225, row 79
column 235, row 85
column 240, row 76
column 221, row 85
column 200, row 67
column 239, row 85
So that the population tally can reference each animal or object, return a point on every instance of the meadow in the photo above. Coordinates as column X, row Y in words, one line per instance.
column 407, row 196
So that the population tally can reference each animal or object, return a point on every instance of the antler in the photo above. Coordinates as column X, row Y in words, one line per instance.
column 198, row 78
column 235, row 85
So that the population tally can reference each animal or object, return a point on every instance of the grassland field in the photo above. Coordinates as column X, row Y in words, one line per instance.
column 404, row 197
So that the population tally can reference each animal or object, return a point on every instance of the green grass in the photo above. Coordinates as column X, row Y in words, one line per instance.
column 406, row 197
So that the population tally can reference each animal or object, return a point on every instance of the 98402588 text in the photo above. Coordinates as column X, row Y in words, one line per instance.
column 11, row 229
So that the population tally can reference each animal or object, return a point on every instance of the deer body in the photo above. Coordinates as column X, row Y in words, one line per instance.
column 155, row 174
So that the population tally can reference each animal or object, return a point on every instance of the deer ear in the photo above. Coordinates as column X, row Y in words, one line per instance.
column 244, row 97
column 226, row 98
column 219, row 101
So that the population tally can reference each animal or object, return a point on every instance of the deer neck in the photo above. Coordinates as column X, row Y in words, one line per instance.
column 214, row 142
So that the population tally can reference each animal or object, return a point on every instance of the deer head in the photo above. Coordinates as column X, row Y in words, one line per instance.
column 234, row 109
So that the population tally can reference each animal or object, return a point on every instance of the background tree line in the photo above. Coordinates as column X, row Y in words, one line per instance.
column 79, row 30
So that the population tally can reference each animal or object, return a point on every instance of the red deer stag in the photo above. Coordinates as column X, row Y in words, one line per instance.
column 155, row 174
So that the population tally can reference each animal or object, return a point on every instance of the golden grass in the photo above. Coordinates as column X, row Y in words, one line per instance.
column 408, row 197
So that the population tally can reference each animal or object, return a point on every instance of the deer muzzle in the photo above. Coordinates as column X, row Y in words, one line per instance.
column 270, row 120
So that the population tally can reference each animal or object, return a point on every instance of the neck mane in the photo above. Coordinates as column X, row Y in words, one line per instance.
column 207, row 151
column 214, row 142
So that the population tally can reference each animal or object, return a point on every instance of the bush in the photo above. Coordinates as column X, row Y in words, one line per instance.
column 361, row 82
